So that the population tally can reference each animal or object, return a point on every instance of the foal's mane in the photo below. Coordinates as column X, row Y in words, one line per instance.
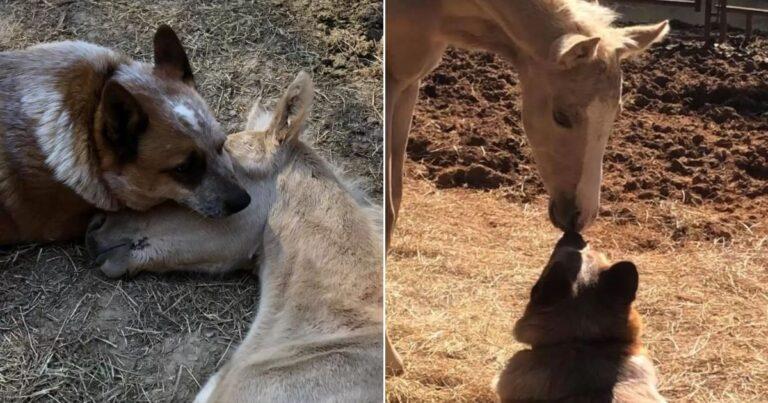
column 582, row 16
column 587, row 18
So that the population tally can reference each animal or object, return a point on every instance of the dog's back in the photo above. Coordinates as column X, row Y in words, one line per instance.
column 48, row 97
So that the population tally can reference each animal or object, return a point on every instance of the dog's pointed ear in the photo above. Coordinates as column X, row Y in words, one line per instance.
column 170, row 58
column 573, row 49
column 292, row 110
column 638, row 38
column 555, row 285
column 619, row 282
column 124, row 120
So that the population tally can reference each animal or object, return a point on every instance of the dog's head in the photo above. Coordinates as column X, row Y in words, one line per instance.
column 581, row 297
column 158, row 140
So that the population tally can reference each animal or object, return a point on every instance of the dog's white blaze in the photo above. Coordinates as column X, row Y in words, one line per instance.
column 598, row 129
column 187, row 115
column 54, row 135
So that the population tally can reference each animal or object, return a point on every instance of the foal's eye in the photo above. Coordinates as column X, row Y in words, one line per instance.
column 562, row 119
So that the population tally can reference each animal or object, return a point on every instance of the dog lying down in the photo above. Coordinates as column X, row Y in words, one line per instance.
column 314, row 243
column 583, row 332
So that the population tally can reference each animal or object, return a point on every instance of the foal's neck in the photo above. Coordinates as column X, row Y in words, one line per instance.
column 322, row 252
column 532, row 25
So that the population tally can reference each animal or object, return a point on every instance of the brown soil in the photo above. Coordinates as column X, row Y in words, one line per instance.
column 694, row 130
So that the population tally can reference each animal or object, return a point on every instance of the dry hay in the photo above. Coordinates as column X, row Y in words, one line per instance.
column 462, row 264
column 69, row 334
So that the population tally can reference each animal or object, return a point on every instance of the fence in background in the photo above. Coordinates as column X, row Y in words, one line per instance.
column 715, row 11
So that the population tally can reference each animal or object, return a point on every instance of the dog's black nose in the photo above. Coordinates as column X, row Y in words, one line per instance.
column 573, row 240
column 237, row 202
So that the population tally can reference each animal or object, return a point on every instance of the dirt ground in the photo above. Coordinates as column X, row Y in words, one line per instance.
column 69, row 334
column 685, row 196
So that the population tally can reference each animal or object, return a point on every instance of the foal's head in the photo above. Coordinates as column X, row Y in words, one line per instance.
column 570, row 102
column 269, row 135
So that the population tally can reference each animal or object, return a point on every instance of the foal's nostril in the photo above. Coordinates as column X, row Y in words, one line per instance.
column 91, row 246
column 237, row 203
column 96, row 222
column 564, row 214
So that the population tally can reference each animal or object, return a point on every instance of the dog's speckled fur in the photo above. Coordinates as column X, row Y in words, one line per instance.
column 83, row 128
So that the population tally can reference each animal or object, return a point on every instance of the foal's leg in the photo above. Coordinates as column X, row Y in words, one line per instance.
column 401, row 105
column 170, row 238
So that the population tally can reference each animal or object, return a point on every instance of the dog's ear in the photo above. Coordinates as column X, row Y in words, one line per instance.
column 619, row 282
column 170, row 58
column 556, row 284
column 292, row 110
column 124, row 121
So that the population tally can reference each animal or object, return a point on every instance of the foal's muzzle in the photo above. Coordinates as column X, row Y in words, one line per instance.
column 564, row 214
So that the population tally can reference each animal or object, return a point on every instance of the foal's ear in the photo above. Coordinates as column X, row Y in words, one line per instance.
column 259, row 118
column 573, row 49
column 170, row 58
column 640, row 37
column 292, row 110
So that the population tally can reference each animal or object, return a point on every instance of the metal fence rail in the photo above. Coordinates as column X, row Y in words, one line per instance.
column 714, row 11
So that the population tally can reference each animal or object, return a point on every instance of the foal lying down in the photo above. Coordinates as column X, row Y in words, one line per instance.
column 315, row 245
column 583, row 332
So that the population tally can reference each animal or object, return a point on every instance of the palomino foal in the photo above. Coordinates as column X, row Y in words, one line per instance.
column 316, row 247
column 567, row 55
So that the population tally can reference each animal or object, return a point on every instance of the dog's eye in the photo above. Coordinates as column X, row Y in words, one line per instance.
column 190, row 171
column 562, row 119
column 184, row 167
